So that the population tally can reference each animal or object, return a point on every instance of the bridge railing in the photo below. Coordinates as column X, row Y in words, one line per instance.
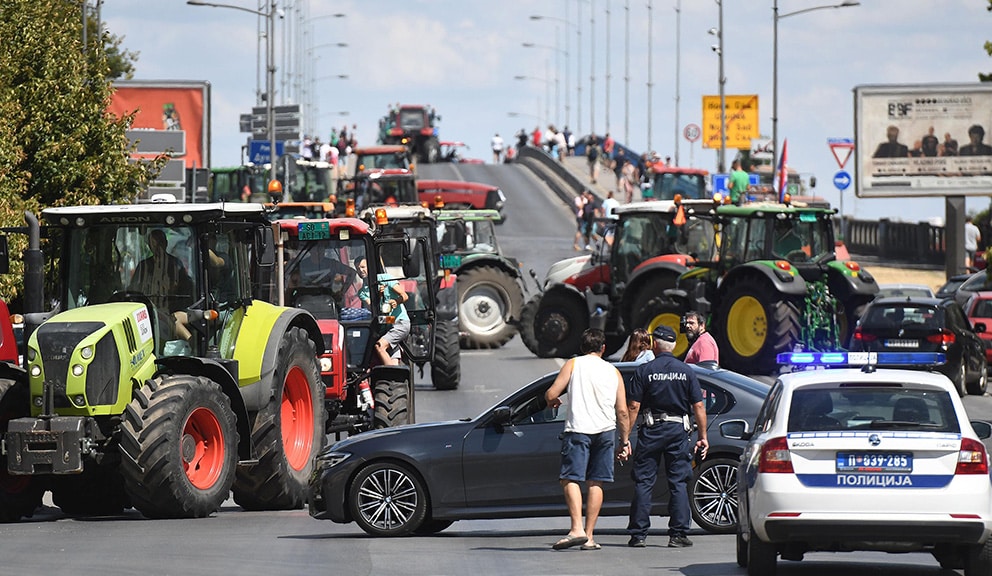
column 908, row 242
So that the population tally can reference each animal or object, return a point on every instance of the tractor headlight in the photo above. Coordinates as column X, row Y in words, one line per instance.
column 86, row 353
column 36, row 370
column 77, row 370
column 326, row 364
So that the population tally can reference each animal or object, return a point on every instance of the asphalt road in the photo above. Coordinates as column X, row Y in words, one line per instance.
column 538, row 231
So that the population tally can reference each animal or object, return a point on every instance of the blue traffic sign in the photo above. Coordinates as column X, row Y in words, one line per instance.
column 721, row 183
column 842, row 180
column 259, row 151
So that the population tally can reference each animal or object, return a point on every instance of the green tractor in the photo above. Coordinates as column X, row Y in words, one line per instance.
column 490, row 285
column 158, row 381
column 776, row 285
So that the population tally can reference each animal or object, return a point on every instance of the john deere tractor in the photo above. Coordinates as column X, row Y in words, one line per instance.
column 621, row 287
column 157, row 381
column 775, row 287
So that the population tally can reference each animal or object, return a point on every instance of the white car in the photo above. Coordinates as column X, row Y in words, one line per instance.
column 868, row 458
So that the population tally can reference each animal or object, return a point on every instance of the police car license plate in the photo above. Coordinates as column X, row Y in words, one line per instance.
column 902, row 343
column 874, row 462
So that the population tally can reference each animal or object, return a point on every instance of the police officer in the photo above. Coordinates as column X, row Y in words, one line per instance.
column 665, row 390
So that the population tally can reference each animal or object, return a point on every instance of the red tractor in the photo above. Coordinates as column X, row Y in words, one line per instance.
column 415, row 127
column 319, row 260
column 621, row 287
column 461, row 195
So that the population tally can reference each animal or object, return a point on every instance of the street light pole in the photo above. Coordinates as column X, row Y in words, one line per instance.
column 775, row 18
column 722, row 80
column 568, row 23
column 270, row 66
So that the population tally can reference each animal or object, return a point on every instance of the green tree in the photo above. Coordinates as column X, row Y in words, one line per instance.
column 988, row 50
column 119, row 60
column 58, row 144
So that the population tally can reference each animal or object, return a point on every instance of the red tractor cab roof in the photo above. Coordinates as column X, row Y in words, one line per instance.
column 335, row 225
column 453, row 185
column 381, row 149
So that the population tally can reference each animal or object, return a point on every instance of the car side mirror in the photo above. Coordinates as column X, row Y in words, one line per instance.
column 501, row 415
column 980, row 327
column 982, row 428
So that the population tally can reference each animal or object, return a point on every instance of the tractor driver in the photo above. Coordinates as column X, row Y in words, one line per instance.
column 163, row 279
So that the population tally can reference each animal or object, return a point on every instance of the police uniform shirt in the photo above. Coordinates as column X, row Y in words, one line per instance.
column 665, row 384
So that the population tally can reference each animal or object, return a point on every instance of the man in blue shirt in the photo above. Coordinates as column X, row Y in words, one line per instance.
column 666, row 390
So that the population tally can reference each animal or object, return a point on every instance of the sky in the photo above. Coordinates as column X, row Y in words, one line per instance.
column 463, row 57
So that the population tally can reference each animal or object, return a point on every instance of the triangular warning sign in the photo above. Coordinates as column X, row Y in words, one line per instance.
column 842, row 150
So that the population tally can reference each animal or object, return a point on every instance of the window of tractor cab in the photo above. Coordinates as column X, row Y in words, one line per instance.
column 801, row 239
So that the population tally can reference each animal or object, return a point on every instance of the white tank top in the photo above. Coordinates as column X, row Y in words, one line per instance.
column 592, row 396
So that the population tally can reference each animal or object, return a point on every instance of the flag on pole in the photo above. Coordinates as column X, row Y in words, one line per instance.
column 783, row 170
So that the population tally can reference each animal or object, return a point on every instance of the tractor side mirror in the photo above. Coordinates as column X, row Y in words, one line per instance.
column 265, row 247
column 411, row 258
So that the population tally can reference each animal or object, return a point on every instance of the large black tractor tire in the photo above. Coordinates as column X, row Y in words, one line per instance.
column 658, row 311
column 388, row 499
column 526, row 327
column 558, row 325
column 392, row 404
column 446, row 369
column 179, row 447
column 98, row 491
column 713, row 496
column 19, row 495
column 431, row 151
column 287, row 432
column 489, row 300
column 752, row 325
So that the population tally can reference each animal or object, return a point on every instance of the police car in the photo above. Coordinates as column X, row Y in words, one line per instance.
column 865, row 457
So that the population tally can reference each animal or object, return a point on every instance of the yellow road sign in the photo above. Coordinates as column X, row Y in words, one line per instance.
column 742, row 120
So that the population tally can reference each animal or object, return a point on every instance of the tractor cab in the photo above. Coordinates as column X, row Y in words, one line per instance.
column 378, row 187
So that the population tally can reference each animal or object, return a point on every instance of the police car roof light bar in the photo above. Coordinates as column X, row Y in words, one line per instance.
column 827, row 359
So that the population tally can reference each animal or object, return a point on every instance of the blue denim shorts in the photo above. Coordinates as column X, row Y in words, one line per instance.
column 587, row 456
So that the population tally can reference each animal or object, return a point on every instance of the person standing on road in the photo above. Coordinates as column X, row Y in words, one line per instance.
column 703, row 348
column 972, row 235
column 595, row 417
column 739, row 183
column 666, row 390
column 592, row 157
column 497, row 144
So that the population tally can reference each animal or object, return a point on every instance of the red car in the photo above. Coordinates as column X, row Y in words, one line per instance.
column 978, row 309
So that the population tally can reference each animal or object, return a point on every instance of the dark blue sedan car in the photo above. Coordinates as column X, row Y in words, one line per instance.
column 419, row 479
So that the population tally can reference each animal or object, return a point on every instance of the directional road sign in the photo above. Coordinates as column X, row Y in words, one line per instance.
column 259, row 151
column 842, row 180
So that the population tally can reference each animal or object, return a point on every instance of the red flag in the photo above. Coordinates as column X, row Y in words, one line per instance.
column 783, row 170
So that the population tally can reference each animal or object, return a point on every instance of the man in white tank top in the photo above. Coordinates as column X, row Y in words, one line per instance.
column 596, row 417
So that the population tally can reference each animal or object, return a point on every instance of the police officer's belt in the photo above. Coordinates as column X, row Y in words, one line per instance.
column 665, row 417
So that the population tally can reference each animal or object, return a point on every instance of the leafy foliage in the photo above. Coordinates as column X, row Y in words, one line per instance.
column 58, row 144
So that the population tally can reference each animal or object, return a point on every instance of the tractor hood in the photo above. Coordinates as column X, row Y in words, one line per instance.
column 565, row 269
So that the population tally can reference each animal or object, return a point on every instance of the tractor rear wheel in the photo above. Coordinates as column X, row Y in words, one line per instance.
column 446, row 370
column 752, row 324
column 287, row 432
column 527, row 329
column 19, row 495
column 660, row 311
column 179, row 447
column 488, row 300
column 392, row 404
column 558, row 325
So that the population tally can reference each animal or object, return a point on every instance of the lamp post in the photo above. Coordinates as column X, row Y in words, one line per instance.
column 311, row 104
column 547, row 84
column 718, row 48
column 568, row 24
column 270, row 67
column 775, row 18
column 557, row 92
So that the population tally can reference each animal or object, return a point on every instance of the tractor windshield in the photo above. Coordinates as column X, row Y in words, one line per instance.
column 306, row 181
column 412, row 120
column 639, row 237
column 690, row 186
column 326, row 276
column 802, row 238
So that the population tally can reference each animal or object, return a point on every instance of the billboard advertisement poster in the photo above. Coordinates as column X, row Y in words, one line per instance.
column 168, row 106
column 923, row 140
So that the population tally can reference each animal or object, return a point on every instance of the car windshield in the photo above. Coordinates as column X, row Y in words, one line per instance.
column 875, row 407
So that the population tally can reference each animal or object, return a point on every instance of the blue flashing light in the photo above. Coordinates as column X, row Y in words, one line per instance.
column 862, row 358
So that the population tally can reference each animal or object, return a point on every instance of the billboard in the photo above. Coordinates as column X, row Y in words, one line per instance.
column 741, row 116
column 922, row 140
column 165, row 109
